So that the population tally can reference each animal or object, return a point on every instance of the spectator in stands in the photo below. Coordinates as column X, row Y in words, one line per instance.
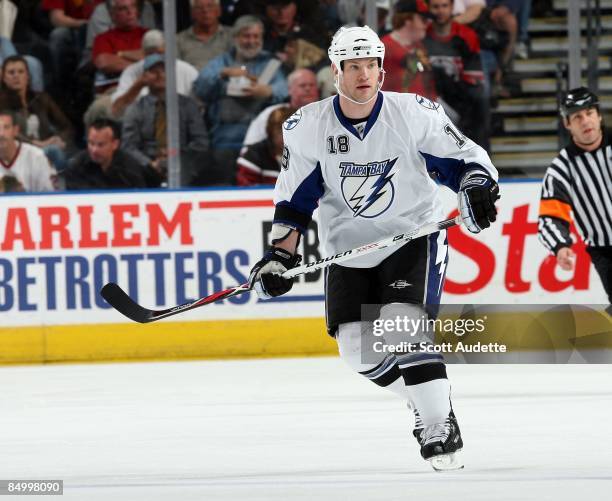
column 144, row 125
column 496, row 27
column 260, row 163
column 113, row 51
column 29, row 35
column 407, row 65
column 475, row 14
column 25, row 162
column 302, row 91
column 105, row 165
column 206, row 38
column 503, row 16
column 231, row 10
column 35, row 68
column 353, row 12
column 300, row 53
column 383, row 8
column 10, row 184
column 8, row 16
column 40, row 119
column 454, row 53
column 101, row 21
column 69, row 19
column 467, row 11
column 348, row 12
column 235, row 87
column 134, row 80
column 523, row 15
column 282, row 20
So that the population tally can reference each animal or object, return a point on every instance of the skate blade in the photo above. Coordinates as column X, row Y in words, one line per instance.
column 447, row 462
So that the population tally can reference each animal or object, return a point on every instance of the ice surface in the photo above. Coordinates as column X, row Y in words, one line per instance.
column 305, row 429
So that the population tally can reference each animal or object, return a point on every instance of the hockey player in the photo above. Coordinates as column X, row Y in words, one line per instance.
column 578, row 183
column 366, row 158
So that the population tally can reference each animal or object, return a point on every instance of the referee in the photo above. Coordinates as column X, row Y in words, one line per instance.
column 578, row 184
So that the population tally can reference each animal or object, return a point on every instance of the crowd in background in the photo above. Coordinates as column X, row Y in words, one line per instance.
column 82, row 85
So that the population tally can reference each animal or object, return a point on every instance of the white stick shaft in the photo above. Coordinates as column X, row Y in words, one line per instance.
column 366, row 249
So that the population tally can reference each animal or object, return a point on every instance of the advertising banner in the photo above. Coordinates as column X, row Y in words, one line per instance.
column 169, row 247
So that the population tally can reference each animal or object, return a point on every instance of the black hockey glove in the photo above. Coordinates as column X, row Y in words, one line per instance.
column 266, row 277
column 477, row 196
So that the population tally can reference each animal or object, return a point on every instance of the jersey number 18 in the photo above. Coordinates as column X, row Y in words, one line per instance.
column 338, row 144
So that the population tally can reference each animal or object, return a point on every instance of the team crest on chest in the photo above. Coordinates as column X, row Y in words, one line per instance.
column 368, row 189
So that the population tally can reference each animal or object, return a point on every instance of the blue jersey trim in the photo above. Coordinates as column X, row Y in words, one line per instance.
column 306, row 197
column 374, row 115
column 371, row 119
column 450, row 171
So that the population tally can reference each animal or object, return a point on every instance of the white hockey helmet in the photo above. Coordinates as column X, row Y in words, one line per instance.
column 355, row 43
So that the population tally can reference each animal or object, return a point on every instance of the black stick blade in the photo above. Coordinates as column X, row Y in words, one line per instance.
column 118, row 299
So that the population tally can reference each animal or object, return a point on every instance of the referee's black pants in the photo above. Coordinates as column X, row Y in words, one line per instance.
column 602, row 260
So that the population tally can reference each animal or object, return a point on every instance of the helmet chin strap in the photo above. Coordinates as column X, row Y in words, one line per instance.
column 379, row 86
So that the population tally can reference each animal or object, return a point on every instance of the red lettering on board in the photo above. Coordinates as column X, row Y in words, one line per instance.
column 477, row 252
column 87, row 239
column 17, row 229
column 158, row 219
column 54, row 220
column 517, row 230
column 122, row 223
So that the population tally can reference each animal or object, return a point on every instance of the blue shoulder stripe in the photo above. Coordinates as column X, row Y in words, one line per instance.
column 449, row 171
column 306, row 197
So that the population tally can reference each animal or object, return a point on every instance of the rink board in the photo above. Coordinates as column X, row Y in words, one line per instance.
column 169, row 247
column 176, row 340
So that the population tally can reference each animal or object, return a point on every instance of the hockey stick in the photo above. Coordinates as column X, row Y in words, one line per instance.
column 118, row 299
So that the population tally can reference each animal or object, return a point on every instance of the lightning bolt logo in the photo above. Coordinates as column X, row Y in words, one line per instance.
column 377, row 190
column 358, row 197
column 368, row 189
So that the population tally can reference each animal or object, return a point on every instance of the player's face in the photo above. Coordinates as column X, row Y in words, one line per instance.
column 585, row 127
column 359, row 79
column 442, row 10
column 8, row 131
column 303, row 90
column 101, row 145
column 16, row 76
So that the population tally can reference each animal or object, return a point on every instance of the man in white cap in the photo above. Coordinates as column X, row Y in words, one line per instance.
column 366, row 159
column 133, row 81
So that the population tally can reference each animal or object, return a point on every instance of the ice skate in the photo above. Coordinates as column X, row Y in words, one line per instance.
column 440, row 443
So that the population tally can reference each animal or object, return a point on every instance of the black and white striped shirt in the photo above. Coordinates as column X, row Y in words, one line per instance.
column 579, row 184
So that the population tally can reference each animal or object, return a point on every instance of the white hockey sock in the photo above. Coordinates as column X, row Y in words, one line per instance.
column 432, row 400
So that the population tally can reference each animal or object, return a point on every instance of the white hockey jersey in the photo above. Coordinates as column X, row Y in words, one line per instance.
column 31, row 167
column 374, row 182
